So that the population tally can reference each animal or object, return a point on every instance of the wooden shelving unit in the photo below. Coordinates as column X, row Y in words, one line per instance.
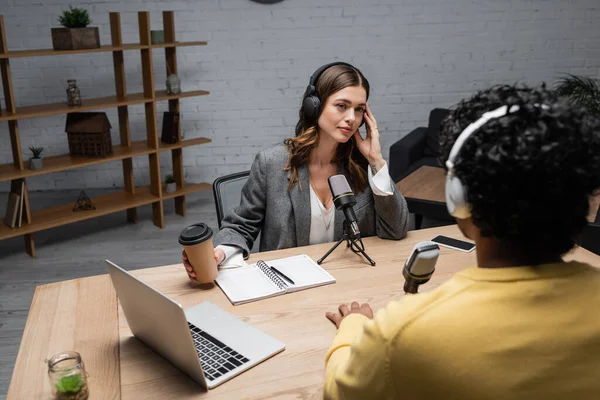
column 131, row 196
column 101, row 49
column 45, row 110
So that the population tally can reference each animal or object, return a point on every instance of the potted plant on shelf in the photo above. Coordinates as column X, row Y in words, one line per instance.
column 75, row 35
column 71, row 387
column 171, row 186
column 36, row 161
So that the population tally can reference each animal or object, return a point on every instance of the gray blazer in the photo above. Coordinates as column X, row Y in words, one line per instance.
column 283, row 216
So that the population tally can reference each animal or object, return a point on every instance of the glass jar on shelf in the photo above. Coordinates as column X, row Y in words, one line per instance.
column 173, row 84
column 68, row 378
column 73, row 94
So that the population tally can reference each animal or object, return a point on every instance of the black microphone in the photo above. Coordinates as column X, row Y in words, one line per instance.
column 343, row 198
column 420, row 265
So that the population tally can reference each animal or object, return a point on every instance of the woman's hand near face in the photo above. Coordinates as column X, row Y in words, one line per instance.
column 370, row 147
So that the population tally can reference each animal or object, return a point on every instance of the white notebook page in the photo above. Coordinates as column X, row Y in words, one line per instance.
column 245, row 284
column 303, row 271
column 248, row 283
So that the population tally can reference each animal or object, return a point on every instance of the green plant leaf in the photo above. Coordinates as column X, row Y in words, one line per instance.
column 36, row 151
column 75, row 18
column 70, row 384
column 60, row 387
column 582, row 91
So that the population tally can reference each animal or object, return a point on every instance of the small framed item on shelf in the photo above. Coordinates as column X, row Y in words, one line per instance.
column 170, row 127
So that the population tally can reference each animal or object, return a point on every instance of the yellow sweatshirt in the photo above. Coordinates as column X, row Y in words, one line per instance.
column 511, row 333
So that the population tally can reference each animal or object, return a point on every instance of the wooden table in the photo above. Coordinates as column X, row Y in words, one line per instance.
column 83, row 315
column 425, row 194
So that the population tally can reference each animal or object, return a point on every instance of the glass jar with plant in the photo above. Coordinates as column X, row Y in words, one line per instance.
column 76, row 34
column 170, row 185
column 36, row 161
column 68, row 378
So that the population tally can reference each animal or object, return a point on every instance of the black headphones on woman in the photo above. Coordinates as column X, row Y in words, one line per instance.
column 311, row 102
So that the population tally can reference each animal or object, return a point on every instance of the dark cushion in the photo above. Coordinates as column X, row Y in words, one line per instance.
column 407, row 151
column 433, row 145
column 436, row 117
column 430, row 161
column 590, row 238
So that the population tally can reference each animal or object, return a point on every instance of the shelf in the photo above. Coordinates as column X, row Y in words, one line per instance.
column 186, row 143
column 105, row 204
column 101, row 49
column 66, row 161
column 63, row 214
column 178, row 44
column 93, row 104
column 62, row 108
column 187, row 189
column 162, row 95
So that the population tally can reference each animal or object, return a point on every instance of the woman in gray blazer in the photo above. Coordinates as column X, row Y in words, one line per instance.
column 287, row 196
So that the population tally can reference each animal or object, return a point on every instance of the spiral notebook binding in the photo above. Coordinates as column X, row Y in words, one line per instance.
column 269, row 273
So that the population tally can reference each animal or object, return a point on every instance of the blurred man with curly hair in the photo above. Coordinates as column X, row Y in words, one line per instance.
column 524, row 323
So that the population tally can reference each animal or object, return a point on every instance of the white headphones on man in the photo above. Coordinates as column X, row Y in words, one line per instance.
column 456, row 192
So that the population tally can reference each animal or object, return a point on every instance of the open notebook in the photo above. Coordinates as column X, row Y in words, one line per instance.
column 252, row 282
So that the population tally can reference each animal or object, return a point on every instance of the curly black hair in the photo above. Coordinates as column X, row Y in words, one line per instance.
column 530, row 173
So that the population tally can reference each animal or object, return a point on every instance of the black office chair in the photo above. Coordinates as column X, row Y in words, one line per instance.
column 227, row 191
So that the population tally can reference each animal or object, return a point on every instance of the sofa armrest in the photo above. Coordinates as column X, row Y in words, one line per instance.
column 406, row 152
column 590, row 238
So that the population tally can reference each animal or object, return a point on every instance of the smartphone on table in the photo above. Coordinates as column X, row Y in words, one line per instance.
column 455, row 244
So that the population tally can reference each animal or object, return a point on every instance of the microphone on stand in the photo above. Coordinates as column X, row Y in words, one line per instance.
column 343, row 199
column 420, row 265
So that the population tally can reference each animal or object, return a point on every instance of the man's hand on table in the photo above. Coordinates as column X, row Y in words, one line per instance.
column 344, row 311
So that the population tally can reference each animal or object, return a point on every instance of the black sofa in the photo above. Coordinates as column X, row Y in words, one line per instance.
column 590, row 237
column 420, row 147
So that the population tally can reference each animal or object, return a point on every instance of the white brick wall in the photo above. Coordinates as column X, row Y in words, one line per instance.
column 418, row 54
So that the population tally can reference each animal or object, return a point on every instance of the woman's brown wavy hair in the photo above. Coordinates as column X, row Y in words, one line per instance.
column 332, row 80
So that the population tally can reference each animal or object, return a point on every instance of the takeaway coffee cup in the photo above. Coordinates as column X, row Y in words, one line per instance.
column 197, row 243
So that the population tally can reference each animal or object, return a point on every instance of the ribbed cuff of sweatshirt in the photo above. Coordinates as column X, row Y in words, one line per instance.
column 350, row 328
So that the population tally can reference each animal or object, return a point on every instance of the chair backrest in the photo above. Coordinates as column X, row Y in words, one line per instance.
column 228, row 192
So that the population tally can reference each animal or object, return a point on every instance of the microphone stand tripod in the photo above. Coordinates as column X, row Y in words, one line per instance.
column 353, row 241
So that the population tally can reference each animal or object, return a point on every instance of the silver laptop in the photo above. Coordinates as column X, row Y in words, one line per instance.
column 205, row 342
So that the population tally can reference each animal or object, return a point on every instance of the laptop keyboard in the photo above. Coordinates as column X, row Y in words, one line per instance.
column 216, row 358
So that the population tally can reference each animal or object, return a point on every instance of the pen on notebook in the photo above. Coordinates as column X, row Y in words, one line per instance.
column 283, row 275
